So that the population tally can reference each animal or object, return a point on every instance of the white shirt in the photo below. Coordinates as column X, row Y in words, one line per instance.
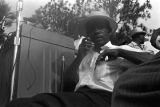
column 104, row 75
column 135, row 45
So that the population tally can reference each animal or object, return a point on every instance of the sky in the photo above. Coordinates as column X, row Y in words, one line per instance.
column 29, row 7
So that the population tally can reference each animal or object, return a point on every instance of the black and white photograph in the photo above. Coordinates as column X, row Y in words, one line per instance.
column 79, row 53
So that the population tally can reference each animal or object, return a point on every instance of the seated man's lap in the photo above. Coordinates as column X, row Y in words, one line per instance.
column 84, row 97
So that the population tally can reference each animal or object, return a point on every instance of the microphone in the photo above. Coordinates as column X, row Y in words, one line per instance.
column 20, row 5
column 16, row 45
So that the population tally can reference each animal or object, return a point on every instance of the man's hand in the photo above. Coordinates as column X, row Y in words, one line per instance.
column 111, row 53
column 85, row 46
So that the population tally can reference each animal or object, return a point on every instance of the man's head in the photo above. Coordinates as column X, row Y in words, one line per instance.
column 139, row 37
column 99, row 27
column 155, row 38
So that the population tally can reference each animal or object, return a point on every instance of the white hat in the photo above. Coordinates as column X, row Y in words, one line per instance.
column 98, row 15
column 137, row 32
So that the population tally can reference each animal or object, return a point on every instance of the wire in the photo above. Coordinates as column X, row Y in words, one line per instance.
column 28, row 58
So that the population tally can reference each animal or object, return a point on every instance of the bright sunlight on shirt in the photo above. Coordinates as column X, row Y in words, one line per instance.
column 104, row 75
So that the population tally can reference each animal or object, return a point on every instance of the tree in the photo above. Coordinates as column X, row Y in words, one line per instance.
column 5, row 12
column 129, row 14
column 63, row 17
column 54, row 16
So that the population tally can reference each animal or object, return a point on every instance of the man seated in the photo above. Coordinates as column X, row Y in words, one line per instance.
column 92, row 74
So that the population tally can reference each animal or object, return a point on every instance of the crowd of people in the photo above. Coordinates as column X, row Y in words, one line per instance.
column 106, row 75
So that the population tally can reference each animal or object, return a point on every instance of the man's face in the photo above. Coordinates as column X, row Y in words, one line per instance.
column 142, row 39
column 98, row 32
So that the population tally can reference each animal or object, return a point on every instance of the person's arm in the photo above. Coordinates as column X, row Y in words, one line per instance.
column 135, row 57
column 71, row 77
